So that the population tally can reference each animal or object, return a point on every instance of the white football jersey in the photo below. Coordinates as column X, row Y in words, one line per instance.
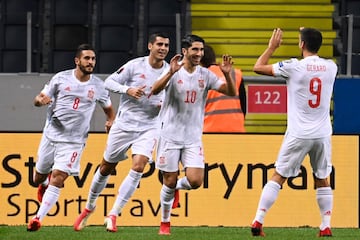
column 182, row 113
column 310, row 84
column 70, row 113
column 137, row 114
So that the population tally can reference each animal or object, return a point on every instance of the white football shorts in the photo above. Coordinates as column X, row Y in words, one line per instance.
column 59, row 155
column 120, row 141
column 294, row 150
column 169, row 154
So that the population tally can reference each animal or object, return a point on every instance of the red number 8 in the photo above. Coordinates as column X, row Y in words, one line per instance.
column 76, row 103
column 73, row 157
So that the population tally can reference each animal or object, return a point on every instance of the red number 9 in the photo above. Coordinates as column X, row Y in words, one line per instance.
column 315, row 89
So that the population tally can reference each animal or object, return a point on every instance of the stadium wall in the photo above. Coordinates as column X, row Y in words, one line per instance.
column 18, row 113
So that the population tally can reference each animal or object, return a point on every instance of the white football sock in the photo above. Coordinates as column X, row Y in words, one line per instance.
column 269, row 194
column 126, row 190
column 50, row 197
column 166, row 200
column 183, row 183
column 324, row 198
column 97, row 185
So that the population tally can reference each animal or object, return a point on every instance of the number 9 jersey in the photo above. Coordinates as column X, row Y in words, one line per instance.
column 310, row 84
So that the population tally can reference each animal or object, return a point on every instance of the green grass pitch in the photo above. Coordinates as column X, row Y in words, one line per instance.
column 177, row 233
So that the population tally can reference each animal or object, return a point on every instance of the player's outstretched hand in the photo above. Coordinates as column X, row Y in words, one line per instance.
column 226, row 64
column 275, row 39
column 175, row 63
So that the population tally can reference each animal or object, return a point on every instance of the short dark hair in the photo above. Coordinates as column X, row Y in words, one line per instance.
column 153, row 36
column 209, row 57
column 188, row 40
column 83, row 47
column 312, row 39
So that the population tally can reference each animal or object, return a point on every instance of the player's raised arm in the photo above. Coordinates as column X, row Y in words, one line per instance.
column 262, row 66
column 226, row 66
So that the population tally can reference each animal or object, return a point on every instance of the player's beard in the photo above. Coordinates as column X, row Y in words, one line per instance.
column 84, row 70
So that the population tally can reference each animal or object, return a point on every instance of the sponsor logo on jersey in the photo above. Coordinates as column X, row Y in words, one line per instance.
column 142, row 76
column 180, row 81
column 67, row 89
column 281, row 64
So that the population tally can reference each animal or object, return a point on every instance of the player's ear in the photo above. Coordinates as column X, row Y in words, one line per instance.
column 183, row 51
column 301, row 44
column 76, row 60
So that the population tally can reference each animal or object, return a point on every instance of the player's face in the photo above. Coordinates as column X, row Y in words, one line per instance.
column 86, row 62
column 194, row 53
column 160, row 48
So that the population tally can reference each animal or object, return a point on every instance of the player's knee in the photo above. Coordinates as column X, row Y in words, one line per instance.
column 104, row 171
column 107, row 168
column 321, row 183
column 39, row 178
column 139, row 166
column 196, row 183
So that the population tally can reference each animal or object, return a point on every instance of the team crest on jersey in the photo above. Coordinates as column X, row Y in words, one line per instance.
column 91, row 94
column 180, row 81
column 142, row 76
column 201, row 83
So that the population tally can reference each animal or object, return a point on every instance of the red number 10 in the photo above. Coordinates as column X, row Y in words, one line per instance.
column 190, row 97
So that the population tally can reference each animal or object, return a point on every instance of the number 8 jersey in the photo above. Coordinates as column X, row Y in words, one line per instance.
column 70, row 113
column 310, row 84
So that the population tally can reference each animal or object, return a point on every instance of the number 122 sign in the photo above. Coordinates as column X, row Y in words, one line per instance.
column 267, row 99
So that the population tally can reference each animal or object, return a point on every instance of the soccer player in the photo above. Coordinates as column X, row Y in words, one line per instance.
column 186, row 85
column 135, row 127
column 71, row 96
column 309, row 88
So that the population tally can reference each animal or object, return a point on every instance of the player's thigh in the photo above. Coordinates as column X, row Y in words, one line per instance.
column 320, row 157
column 192, row 156
column 117, row 145
column 67, row 157
column 145, row 143
column 168, row 156
column 45, row 156
column 291, row 155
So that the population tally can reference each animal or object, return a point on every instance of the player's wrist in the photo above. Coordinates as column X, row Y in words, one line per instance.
column 123, row 89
